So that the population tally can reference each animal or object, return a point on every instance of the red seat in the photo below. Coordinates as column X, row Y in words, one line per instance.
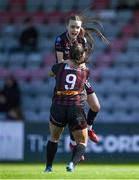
column 39, row 73
column 17, row 16
column 118, row 44
column 17, row 5
column 5, row 16
column 57, row 16
column 129, row 30
column 104, row 59
column 20, row 16
column 136, row 14
column 100, row 4
column 39, row 16
column 21, row 73
column 136, row 21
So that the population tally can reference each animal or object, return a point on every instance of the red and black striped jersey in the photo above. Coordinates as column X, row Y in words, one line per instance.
column 63, row 44
column 69, row 84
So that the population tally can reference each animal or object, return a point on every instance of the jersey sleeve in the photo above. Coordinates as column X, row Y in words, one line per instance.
column 88, row 87
column 58, row 44
column 88, row 72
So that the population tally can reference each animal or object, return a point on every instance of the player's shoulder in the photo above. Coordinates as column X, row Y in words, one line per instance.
column 58, row 65
column 61, row 37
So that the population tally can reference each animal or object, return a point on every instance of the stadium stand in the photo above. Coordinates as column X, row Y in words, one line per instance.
column 114, row 69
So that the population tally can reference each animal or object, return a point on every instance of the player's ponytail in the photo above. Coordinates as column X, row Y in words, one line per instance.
column 89, row 27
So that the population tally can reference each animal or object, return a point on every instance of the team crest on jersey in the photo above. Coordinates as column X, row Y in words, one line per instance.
column 58, row 40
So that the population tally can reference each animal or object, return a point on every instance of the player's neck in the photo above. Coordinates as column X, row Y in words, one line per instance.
column 69, row 38
column 74, row 65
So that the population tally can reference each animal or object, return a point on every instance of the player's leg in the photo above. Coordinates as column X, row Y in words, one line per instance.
column 72, row 140
column 79, row 150
column 56, row 127
column 78, row 125
column 92, row 113
column 52, row 145
column 81, row 141
column 73, row 144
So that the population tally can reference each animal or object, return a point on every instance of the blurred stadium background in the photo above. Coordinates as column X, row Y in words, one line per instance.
column 114, row 69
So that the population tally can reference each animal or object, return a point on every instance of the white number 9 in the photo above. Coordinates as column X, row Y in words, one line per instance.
column 71, row 80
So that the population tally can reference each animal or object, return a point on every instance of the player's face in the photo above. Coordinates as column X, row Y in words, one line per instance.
column 74, row 28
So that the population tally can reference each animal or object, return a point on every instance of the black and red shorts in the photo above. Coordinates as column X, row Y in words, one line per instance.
column 73, row 116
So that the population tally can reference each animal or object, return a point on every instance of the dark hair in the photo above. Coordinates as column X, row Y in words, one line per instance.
column 73, row 17
column 76, row 53
column 87, row 28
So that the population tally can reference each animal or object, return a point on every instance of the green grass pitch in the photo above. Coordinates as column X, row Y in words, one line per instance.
column 82, row 171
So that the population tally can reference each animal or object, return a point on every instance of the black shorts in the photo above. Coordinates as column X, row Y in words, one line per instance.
column 74, row 116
